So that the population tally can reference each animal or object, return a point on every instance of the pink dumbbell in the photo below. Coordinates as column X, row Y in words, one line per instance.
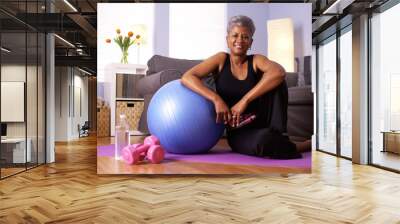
column 156, row 153
column 151, row 149
column 151, row 140
column 129, row 157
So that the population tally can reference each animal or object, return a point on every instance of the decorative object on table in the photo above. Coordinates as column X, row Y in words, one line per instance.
column 142, row 30
column 124, row 42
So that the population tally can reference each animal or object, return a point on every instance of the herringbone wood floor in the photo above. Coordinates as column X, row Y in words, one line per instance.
column 70, row 191
column 108, row 165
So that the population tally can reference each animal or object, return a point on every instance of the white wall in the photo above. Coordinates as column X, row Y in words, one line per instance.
column 14, row 73
column 67, row 81
column 80, row 83
column 193, row 35
column 33, row 126
column 161, row 29
column 62, row 82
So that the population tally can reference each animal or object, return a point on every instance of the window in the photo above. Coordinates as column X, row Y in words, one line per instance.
column 327, row 96
column 385, row 86
column 346, row 93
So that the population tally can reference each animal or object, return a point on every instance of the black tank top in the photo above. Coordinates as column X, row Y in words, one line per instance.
column 232, row 89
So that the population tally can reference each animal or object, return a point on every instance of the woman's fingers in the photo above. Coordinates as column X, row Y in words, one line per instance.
column 226, row 118
column 229, row 118
column 238, row 120
column 218, row 119
column 235, row 118
column 223, row 117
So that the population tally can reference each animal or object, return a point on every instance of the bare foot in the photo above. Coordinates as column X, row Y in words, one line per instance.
column 303, row 146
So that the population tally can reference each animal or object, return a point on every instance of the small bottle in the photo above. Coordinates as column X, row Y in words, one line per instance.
column 122, row 136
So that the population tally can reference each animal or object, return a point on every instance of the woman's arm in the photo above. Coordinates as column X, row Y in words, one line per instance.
column 272, row 75
column 192, row 80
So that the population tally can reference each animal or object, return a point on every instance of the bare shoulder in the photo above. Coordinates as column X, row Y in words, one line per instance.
column 259, row 58
column 261, row 62
column 207, row 66
column 219, row 58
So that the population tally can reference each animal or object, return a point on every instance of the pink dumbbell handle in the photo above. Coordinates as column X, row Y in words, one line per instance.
column 127, row 154
column 139, row 151
column 151, row 140
column 134, row 154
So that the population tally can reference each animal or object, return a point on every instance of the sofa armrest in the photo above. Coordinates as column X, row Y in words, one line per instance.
column 151, row 83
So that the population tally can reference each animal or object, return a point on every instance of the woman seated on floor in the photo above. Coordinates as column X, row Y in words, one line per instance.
column 248, row 84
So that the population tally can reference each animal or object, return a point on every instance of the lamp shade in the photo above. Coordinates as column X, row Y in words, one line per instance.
column 281, row 42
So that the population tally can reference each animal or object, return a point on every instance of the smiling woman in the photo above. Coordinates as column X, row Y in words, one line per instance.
column 247, row 84
column 246, row 90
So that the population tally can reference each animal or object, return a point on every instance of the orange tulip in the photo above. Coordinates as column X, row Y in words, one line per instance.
column 130, row 33
column 137, row 36
column 118, row 31
column 108, row 41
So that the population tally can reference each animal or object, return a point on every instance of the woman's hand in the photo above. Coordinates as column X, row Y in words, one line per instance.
column 237, row 111
column 222, row 111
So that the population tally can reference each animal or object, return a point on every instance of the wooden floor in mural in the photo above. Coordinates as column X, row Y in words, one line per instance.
column 70, row 191
column 108, row 165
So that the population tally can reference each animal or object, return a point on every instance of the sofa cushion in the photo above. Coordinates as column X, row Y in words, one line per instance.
column 291, row 79
column 159, row 63
column 300, row 121
column 143, row 117
column 151, row 83
column 300, row 95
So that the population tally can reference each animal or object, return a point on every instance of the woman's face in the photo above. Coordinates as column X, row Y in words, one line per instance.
column 239, row 40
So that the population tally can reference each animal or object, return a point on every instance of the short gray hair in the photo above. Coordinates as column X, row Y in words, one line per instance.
column 241, row 20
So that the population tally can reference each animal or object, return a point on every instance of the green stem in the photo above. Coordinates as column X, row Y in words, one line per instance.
column 124, row 58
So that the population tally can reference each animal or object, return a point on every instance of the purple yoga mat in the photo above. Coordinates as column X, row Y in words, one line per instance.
column 225, row 156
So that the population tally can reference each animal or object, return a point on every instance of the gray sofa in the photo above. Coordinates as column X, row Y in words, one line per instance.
column 164, row 69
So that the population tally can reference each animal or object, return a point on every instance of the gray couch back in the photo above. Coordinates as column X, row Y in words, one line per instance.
column 158, row 63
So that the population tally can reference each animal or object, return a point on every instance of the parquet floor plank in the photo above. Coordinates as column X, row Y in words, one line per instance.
column 70, row 191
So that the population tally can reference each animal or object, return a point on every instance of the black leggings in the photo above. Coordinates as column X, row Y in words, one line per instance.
column 264, row 136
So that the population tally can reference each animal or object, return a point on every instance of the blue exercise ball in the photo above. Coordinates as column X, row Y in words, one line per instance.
column 183, row 120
